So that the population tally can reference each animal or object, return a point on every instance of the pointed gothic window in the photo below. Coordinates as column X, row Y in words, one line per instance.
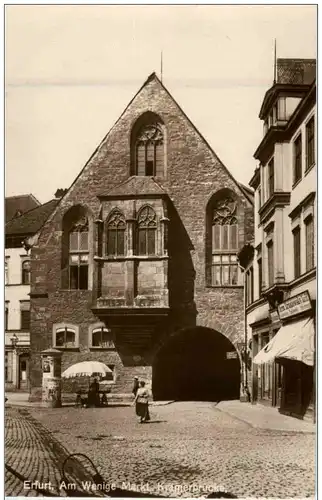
column 115, row 234
column 146, row 231
column 149, row 150
column 224, row 243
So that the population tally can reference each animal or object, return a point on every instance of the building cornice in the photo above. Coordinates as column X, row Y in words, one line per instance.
column 278, row 199
column 256, row 179
column 309, row 198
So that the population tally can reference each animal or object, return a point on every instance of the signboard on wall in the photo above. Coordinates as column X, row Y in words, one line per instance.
column 274, row 317
column 231, row 355
column 295, row 305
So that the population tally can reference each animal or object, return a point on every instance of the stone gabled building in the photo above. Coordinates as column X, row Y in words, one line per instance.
column 137, row 266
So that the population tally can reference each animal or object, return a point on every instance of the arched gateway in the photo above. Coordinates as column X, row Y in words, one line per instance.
column 194, row 365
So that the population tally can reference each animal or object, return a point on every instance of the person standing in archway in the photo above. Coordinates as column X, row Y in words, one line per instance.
column 136, row 385
column 141, row 402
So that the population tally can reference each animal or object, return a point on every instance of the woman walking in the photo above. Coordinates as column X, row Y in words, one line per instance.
column 141, row 402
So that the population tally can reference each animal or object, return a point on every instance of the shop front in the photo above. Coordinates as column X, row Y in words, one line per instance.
column 286, row 360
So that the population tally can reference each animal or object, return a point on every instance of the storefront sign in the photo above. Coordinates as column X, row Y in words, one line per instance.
column 295, row 305
column 274, row 317
column 231, row 355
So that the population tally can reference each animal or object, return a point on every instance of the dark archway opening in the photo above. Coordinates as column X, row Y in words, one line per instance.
column 194, row 366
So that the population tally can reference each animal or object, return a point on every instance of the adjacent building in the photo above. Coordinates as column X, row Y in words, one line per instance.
column 137, row 265
column 280, row 265
column 24, row 215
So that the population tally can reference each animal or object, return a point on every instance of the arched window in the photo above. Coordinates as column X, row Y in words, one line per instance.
column 224, row 243
column 115, row 234
column 149, row 150
column 65, row 337
column 102, row 337
column 146, row 231
column 25, row 272
column 78, row 255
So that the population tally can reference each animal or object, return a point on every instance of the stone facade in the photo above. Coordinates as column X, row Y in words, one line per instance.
column 142, row 299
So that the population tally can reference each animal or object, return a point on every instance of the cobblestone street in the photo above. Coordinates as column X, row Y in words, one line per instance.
column 185, row 444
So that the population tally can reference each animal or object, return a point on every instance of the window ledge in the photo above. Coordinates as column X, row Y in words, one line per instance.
column 70, row 349
column 225, row 286
column 308, row 170
column 307, row 276
column 121, row 258
column 296, row 183
column 102, row 348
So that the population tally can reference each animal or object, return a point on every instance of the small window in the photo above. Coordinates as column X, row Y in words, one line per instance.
column 297, row 251
column 270, row 261
column 310, row 143
column 260, row 276
column 25, row 315
column 146, row 232
column 102, row 337
column 65, row 337
column 26, row 272
column 249, row 286
column 6, row 271
column 6, row 316
column 309, row 243
column 297, row 169
column 271, row 178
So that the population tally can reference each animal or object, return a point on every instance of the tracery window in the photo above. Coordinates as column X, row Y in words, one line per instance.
column 146, row 231
column 149, row 150
column 115, row 234
column 224, row 242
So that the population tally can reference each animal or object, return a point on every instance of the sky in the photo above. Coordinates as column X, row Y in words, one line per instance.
column 70, row 71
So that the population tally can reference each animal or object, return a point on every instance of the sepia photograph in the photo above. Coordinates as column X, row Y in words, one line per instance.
column 160, row 250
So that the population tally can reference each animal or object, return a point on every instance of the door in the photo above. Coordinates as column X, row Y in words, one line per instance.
column 23, row 372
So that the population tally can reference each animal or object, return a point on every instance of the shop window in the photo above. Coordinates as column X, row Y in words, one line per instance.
column 146, row 231
column 147, row 144
column 297, row 166
column 224, row 242
column 310, row 143
column 297, row 251
column 25, row 270
column 25, row 315
column 115, row 234
column 309, row 242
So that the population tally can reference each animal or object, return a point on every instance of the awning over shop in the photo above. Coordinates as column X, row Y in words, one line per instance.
column 293, row 341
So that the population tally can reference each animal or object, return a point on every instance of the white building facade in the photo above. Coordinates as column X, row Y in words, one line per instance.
column 281, row 265
column 17, row 289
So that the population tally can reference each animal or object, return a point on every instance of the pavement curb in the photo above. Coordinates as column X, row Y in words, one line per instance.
column 265, row 427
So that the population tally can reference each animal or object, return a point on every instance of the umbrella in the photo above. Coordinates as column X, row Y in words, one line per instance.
column 87, row 369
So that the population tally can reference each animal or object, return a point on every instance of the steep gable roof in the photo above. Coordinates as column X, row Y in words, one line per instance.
column 18, row 205
column 151, row 79
column 31, row 221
